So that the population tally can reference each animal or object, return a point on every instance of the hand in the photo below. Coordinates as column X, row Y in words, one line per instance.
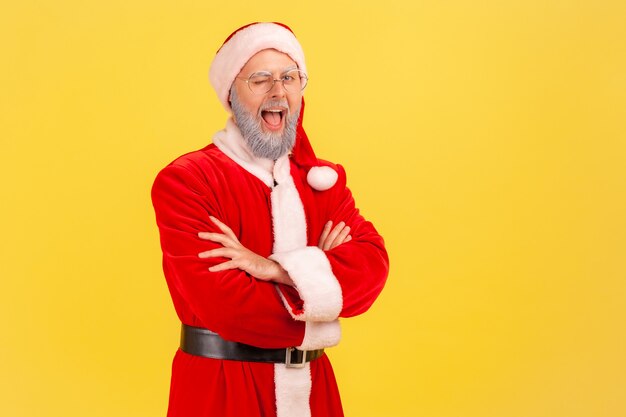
column 333, row 237
column 241, row 257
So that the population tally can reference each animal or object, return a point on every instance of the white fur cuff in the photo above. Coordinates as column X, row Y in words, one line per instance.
column 315, row 282
column 320, row 335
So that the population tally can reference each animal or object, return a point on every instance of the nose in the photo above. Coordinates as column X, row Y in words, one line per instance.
column 277, row 90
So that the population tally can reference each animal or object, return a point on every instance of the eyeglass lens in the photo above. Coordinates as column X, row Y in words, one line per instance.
column 293, row 81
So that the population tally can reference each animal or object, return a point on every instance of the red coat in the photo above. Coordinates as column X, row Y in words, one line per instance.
column 244, row 309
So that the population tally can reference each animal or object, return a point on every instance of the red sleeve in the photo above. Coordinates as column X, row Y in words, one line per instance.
column 231, row 303
column 361, row 265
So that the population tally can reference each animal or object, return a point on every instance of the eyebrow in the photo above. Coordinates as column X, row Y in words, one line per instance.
column 286, row 70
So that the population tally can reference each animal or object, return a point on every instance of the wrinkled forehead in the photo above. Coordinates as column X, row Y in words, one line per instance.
column 268, row 60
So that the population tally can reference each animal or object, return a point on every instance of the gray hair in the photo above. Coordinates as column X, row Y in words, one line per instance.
column 265, row 144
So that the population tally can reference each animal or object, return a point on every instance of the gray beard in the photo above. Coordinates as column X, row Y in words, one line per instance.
column 264, row 144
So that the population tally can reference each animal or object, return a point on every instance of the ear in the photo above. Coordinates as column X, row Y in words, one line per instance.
column 230, row 93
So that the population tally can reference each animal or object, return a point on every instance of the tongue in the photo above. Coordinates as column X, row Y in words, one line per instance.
column 272, row 118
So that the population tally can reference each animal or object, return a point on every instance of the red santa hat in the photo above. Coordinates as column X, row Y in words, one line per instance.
column 238, row 48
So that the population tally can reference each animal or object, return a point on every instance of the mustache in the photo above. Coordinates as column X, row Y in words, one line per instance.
column 274, row 103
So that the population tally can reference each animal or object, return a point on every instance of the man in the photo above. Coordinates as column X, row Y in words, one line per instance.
column 263, row 248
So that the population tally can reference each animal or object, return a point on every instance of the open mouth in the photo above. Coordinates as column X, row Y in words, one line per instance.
column 273, row 118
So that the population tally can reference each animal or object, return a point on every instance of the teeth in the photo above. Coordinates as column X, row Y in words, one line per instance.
column 275, row 111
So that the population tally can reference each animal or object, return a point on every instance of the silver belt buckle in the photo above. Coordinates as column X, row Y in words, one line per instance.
column 290, row 364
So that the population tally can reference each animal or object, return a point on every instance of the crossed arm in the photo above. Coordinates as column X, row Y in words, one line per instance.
column 257, row 266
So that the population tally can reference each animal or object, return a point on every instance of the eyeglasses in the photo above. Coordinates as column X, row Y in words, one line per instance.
column 262, row 82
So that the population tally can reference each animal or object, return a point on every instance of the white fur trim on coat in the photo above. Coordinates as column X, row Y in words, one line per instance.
column 315, row 282
column 293, row 389
column 231, row 142
column 289, row 221
column 319, row 335
column 292, row 385
column 242, row 46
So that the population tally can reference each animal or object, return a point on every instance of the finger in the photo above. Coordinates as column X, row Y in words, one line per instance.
column 225, row 229
column 216, row 253
column 333, row 234
column 216, row 237
column 224, row 266
column 324, row 234
column 348, row 238
column 341, row 237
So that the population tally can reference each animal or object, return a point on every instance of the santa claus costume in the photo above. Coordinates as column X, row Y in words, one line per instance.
column 277, row 210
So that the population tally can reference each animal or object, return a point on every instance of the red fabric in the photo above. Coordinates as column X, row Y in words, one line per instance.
column 302, row 153
column 235, row 32
column 251, row 24
column 237, row 306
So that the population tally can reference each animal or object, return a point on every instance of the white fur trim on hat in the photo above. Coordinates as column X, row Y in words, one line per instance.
column 242, row 46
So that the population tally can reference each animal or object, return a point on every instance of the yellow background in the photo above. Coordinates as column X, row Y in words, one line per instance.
column 486, row 140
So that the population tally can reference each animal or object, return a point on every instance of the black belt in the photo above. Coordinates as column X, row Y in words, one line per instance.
column 203, row 342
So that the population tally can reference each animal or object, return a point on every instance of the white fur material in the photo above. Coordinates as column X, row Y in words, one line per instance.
column 231, row 142
column 319, row 335
column 320, row 291
column 293, row 388
column 288, row 217
column 322, row 178
column 242, row 46
column 292, row 385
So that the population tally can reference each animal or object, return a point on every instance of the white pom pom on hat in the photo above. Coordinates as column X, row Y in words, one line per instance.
column 322, row 178
column 236, row 51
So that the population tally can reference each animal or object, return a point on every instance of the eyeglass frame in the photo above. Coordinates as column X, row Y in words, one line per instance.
column 274, row 80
